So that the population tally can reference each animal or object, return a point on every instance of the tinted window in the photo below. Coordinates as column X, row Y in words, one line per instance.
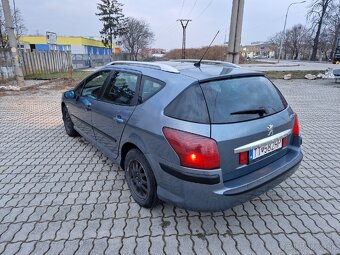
column 121, row 88
column 230, row 100
column 189, row 106
column 93, row 84
column 150, row 87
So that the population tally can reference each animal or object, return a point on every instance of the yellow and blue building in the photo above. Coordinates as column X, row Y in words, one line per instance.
column 72, row 44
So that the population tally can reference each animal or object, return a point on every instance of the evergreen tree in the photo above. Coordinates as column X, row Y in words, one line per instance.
column 110, row 13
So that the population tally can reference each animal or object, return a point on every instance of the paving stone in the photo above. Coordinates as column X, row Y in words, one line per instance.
column 60, row 195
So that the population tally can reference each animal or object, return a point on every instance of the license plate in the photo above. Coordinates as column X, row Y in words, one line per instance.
column 265, row 149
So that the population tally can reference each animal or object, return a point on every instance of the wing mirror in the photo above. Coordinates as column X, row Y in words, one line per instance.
column 69, row 94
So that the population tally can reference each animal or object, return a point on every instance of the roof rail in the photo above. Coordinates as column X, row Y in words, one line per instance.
column 211, row 62
column 155, row 65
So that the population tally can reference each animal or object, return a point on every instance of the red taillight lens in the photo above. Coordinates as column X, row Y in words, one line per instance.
column 193, row 150
column 296, row 128
column 284, row 142
column 244, row 158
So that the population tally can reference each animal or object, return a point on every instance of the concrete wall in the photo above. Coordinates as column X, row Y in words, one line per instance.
column 6, row 67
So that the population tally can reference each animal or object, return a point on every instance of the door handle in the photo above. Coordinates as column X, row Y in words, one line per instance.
column 118, row 119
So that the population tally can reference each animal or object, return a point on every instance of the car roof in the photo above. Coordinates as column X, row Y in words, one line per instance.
column 208, row 70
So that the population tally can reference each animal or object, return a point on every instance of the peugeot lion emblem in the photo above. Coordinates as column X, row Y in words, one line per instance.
column 270, row 129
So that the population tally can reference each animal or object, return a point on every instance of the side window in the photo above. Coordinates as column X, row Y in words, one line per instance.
column 121, row 88
column 150, row 87
column 189, row 106
column 93, row 85
column 78, row 89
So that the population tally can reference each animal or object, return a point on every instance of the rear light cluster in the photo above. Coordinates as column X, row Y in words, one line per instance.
column 296, row 128
column 244, row 158
column 194, row 151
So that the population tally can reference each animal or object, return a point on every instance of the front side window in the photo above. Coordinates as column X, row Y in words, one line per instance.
column 121, row 88
column 93, row 84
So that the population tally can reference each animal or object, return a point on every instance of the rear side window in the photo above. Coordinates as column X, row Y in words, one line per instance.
column 242, row 99
column 189, row 106
column 150, row 87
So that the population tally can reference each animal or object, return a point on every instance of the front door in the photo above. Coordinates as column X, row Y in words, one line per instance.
column 81, row 108
column 112, row 112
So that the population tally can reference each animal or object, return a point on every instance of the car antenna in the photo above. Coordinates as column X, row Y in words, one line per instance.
column 198, row 64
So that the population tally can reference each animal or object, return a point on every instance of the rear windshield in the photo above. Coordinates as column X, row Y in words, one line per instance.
column 242, row 99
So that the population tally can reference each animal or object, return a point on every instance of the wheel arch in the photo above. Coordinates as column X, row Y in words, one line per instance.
column 63, row 105
column 124, row 151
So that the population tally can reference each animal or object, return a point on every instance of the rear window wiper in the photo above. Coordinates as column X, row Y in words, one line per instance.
column 259, row 111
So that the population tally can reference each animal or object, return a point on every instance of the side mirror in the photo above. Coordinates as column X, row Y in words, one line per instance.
column 69, row 94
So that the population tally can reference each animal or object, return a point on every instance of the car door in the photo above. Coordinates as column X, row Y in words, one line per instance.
column 81, row 107
column 112, row 112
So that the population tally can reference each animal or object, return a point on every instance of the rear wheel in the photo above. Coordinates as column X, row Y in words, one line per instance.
column 140, row 179
column 68, row 124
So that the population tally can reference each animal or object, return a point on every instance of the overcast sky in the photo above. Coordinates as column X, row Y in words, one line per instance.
column 262, row 18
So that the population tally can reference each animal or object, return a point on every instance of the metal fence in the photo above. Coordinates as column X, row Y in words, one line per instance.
column 50, row 62
column 45, row 62
column 84, row 60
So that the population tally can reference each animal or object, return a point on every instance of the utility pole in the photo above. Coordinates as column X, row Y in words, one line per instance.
column 12, row 42
column 235, row 31
column 184, row 23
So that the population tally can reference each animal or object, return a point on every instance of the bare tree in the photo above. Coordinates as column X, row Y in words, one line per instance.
column 19, row 26
column 318, row 12
column 333, row 26
column 275, row 42
column 296, row 43
column 137, row 36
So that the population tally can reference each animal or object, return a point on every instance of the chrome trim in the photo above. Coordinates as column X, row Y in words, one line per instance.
column 163, row 67
column 258, row 143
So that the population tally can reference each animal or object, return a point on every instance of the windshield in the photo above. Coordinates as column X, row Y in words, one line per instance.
column 242, row 99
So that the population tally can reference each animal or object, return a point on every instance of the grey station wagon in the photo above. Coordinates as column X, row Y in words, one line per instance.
column 203, row 137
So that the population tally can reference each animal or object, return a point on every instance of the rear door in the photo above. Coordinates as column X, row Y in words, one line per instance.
column 247, row 115
column 112, row 112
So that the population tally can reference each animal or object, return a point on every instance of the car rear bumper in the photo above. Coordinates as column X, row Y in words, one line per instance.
column 202, row 193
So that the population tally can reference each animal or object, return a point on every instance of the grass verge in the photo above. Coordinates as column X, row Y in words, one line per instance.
column 76, row 75
column 295, row 74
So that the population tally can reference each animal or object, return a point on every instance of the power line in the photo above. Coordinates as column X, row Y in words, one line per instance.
column 208, row 5
column 193, row 7
column 180, row 13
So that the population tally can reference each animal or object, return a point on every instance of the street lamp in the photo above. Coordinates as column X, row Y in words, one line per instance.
column 284, row 28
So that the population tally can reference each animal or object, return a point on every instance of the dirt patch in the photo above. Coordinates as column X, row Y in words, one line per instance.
column 59, row 85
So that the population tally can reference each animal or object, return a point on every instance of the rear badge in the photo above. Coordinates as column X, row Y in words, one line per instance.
column 270, row 130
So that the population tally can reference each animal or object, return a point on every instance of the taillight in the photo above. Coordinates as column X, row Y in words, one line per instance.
column 284, row 141
column 193, row 150
column 296, row 128
column 244, row 158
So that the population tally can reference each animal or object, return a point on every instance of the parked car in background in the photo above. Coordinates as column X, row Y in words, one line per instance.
column 204, row 137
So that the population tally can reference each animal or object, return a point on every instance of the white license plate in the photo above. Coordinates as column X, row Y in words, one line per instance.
column 265, row 149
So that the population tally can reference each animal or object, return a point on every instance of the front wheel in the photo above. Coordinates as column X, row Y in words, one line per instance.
column 68, row 124
column 140, row 179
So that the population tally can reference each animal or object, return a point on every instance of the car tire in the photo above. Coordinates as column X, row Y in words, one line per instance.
column 140, row 179
column 68, row 124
